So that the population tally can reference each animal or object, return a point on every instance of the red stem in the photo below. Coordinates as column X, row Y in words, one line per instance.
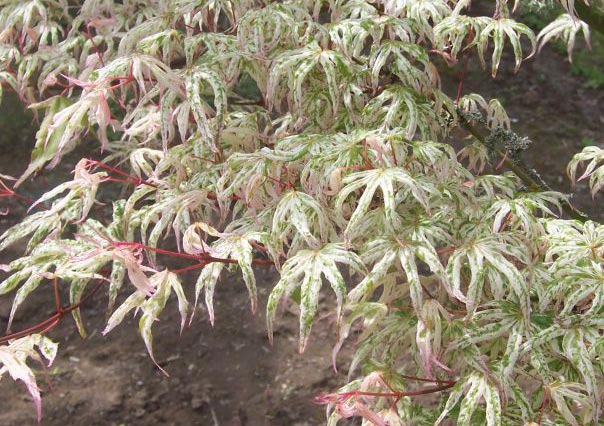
column 55, row 285
column 205, row 258
column 8, row 193
column 464, row 70
column 29, row 330
column 94, row 45
column 137, row 181
column 129, row 178
column 188, row 268
column 51, row 322
column 394, row 394
column 420, row 379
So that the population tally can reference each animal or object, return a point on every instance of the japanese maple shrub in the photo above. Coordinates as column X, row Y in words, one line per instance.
column 313, row 135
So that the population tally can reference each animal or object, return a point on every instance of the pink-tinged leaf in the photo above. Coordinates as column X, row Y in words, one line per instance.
column 346, row 411
column 98, row 23
column 92, row 61
column 50, row 80
column 138, row 278
column 18, row 370
column 135, row 273
column 13, row 358
column 424, row 344
column 89, row 183
column 392, row 418
column 80, row 83
column 103, row 118
column 192, row 243
column 368, row 414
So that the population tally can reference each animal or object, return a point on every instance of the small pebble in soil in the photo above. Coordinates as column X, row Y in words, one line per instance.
column 197, row 403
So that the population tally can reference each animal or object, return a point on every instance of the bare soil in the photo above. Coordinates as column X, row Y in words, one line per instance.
column 230, row 375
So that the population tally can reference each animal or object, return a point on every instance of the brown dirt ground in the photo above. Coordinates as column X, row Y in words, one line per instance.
column 230, row 375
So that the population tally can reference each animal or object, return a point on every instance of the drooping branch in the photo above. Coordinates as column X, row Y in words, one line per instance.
column 342, row 397
column 203, row 260
column 525, row 173
column 61, row 310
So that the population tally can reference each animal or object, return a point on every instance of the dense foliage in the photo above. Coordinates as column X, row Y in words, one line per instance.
column 312, row 135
